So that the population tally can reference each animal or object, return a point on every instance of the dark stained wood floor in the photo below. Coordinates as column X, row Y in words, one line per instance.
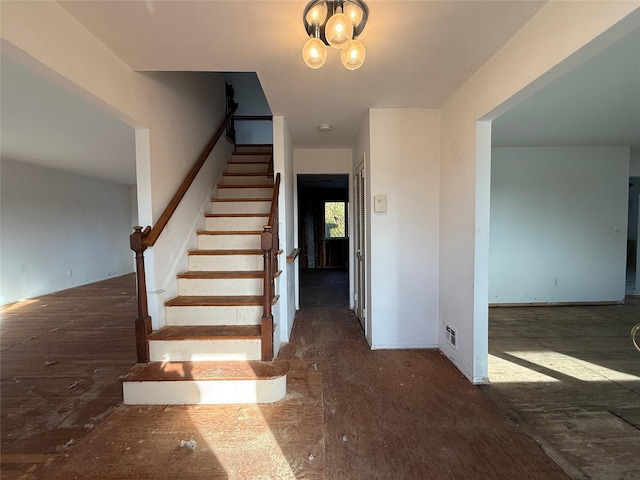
column 350, row 412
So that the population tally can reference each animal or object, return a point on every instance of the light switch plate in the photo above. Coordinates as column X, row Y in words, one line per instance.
column 379, row 203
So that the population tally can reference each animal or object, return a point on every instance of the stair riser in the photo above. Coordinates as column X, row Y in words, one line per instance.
column 237, row 242
column 247, row 180
column 212, row 392
column 238, row 315
column 257, row 155
column 241, row 207
column 247, row 167
column 235, row 223
column 252, row 192
column 220, row 287
column 201, row 263
column 203, row 350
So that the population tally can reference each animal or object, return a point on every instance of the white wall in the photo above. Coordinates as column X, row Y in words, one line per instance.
column 174, row 114
column 558, row 38
column 60, row 230
column 404, row 240
column 283, row 163
column 558, row 224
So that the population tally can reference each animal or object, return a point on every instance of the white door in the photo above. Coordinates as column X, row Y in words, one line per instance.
column 360, row 243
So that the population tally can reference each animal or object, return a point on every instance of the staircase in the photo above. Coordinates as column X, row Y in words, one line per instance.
column 210, row 352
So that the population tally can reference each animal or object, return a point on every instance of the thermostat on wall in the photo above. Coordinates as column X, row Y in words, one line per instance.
column 379, row 203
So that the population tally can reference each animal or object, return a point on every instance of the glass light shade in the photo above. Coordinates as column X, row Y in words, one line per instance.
column 338, row 30
column 352, row 55
column 354, row 12
column 314, row 52
column 317, row 14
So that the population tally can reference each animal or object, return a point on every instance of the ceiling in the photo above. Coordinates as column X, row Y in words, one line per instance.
column 441, row 45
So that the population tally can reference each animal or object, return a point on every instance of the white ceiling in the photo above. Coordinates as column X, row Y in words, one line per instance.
column 418, row 54
column 45, row 124
column 598, row 103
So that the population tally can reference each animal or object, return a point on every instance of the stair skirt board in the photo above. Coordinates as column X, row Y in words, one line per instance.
column 214, row 315
column 240, row 206
column 204, row 392
column 204, row 350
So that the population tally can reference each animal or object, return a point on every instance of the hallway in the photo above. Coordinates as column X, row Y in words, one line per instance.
column 350, row 412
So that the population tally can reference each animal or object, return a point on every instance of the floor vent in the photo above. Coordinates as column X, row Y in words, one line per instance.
column 450, row 336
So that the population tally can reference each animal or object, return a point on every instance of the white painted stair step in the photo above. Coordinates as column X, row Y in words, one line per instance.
column 248, row 167
column 225, row 260
column 247, row 179
column 221, row 205
column 212, row 286
column 215, row 310
column 244, row 191
column 231, row 222
column 184, row 383
column 211, row 240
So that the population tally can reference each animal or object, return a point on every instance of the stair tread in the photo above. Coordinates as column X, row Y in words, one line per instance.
column 228, row 370
column 235, row 215
column 224, row 185
column 222, row 274
column 229, row 232
column 203, row 332
column 226, row 252
column 216, row 301
column 247, row 174
column 241, row 199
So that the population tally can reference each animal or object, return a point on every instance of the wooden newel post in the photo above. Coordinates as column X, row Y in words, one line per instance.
column 266, row 243
column 143, row 322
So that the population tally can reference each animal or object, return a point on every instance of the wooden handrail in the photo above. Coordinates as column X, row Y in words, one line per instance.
column 269, row 242
column 160, row 225
column 141, row 239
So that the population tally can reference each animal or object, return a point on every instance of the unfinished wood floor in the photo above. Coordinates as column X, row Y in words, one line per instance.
column 350, row 413
column 571, row 377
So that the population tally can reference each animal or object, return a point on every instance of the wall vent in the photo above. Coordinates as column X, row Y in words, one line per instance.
column 450, row 336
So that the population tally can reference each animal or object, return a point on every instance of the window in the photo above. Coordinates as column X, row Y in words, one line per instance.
column 335, row 219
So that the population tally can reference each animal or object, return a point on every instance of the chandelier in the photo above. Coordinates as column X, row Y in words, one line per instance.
column 335, row 23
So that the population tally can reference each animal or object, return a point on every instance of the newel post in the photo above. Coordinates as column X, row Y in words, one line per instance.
column 266, row 243
column 143, row 322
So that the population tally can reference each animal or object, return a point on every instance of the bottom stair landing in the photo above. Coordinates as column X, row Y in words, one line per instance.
column 179, row 383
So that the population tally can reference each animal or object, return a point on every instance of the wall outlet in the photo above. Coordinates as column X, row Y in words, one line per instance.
column 450, row 336
column 69, row 272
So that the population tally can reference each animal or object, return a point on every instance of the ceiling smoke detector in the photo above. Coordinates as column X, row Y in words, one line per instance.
column 325, row 127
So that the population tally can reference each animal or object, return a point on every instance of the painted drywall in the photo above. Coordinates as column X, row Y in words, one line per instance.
column 634, row 165
column 558, row 224
column 559, row 37
column 251, row 101
column 283, row 163
column 60, row 230
column 404, row 239
column 174, row 114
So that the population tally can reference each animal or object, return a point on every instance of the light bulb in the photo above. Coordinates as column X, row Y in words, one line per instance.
column 338, row 30
column 314, row 52
column 352, row 55
column 354, row 12
column 317, row 14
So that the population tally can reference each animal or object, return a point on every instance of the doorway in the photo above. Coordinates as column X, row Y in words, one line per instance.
column 323, row 223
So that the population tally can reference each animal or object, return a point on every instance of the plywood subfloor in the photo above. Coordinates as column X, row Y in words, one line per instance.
column 571, row 378
column 349, row 413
